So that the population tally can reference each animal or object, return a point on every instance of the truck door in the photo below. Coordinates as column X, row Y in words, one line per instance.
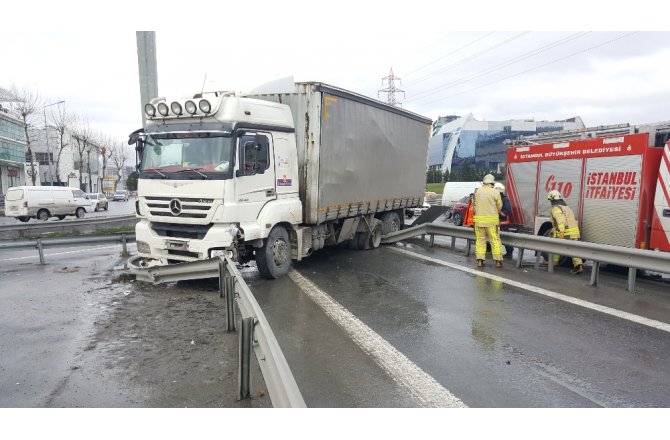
column 254, row 175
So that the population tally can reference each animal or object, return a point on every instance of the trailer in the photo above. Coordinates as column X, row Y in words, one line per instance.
column 614, row 177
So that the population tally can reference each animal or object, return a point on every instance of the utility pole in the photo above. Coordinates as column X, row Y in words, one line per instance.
column 148, row 70
column 391, row 90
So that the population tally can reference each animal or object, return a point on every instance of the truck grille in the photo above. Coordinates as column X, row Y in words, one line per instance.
column 196, row 232
column 182, row 207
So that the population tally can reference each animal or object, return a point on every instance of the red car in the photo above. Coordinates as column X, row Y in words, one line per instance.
column 459, row 209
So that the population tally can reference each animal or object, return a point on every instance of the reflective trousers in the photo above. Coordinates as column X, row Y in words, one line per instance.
column 493, row 234
column 576, row 261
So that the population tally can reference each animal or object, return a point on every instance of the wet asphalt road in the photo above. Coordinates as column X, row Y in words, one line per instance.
column 74, row 335
column 489, row 344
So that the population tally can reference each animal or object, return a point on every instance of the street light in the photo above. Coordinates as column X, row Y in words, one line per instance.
column 46, row 135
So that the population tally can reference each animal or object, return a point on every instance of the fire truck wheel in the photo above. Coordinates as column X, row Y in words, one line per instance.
column 563, row 260
column 274, row 258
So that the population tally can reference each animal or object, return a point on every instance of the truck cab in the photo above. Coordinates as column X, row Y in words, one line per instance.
column 217, row 173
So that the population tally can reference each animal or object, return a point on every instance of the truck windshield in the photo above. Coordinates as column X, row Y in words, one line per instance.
column 171, row 154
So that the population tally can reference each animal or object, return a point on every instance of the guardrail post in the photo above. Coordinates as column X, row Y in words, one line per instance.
column 40, row 250
column 595, row 271
column 246, row 340
column 125, row 247
column 519, row 260
column 632, row 272
column 227, row 291
column 432, row 240
column 550, row 263
column 467, row 247
column 538, row 260
column 453, row 242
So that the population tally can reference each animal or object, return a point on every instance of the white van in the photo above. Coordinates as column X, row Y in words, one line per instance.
column 454, row 191
column 42, row 202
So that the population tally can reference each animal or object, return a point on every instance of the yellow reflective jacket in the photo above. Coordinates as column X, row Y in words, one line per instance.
column 564, row 221
column 487, row 204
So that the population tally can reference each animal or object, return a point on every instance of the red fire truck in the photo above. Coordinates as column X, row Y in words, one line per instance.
column 616, row 179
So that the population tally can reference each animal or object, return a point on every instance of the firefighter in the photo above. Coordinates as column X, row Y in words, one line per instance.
column 487, row 203
column 565, row 225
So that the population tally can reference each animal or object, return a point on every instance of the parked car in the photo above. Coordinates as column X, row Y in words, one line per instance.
column 98, row 201
column 43, row 202
column 120, row 195
column 459, row 209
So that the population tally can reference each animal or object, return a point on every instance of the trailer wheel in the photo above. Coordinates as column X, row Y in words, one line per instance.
column 43, row 215
column 369, row 240
column 274, row 258
column 390, row 222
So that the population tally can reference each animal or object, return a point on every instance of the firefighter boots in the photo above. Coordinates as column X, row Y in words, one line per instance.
column 499, row 264
column 577, row 270
column 480, row 263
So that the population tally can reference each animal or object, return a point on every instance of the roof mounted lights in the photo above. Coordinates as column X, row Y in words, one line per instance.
column 176, row 108
column 205, row 106
column 150, row 110
column 163, row 109
column 190, row 107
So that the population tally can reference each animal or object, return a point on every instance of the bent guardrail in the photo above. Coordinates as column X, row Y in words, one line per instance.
column 598, row 253
column 255, row 331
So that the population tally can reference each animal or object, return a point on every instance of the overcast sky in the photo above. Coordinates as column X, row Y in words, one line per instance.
column 606, row 76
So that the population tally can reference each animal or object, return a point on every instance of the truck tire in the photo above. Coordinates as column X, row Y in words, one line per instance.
column 370, row 240
column 390, row 222
column 274, row 258
column 43, row 215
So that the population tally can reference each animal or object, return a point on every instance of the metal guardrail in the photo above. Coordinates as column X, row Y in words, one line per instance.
column 255, row 331
column 37, row 225
column 40, row 243
column 598, row 253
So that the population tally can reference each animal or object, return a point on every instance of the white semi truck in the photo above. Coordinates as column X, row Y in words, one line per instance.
column 274, row 177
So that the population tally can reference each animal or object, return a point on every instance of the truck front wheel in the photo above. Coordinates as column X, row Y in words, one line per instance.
column 274, row 258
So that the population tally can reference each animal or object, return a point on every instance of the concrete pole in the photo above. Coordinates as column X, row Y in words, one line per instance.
column 148, row 70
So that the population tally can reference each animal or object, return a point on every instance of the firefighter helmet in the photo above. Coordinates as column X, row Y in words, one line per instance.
column 554, row 195
column 499, row 186
column 488, row 179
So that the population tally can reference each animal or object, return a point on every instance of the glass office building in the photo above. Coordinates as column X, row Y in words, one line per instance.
column 481, row 143
column 12, row 147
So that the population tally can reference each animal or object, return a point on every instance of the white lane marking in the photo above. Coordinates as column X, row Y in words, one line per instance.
column 589, row 305
column 403, row 371
column 61, row 253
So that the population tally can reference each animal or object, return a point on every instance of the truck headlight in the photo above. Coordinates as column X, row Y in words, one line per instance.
column 220, row 253
column 205, row 106
column 190, row 107
column 163, row 109
column 150, row 110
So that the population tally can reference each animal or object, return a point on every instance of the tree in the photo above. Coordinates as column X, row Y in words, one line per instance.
column 28, row 103
column 119, row 157
column 131, row 183
column 62, row 121
column 106, row 151
column 81, row 135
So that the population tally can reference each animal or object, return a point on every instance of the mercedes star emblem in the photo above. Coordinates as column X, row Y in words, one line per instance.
column 175, row 207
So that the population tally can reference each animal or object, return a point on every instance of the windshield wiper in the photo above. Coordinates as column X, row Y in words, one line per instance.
column 154, row 170
column 195, row 170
